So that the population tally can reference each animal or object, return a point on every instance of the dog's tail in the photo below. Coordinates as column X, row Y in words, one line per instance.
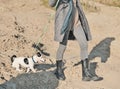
column 13, row 57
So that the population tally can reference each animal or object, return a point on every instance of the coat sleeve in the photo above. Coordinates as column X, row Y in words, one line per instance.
column 52, row 3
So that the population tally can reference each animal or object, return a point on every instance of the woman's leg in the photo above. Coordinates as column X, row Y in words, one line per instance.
column 62, row 47
column 60, row 51
column 59, row 58
column 81, row 38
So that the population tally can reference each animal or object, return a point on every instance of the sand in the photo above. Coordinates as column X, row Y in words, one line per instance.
column 25, row 22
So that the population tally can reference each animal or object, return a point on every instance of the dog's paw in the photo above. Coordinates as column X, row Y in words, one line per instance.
column 34, row 70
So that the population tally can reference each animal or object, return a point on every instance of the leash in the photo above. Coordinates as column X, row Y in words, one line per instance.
column 45, row 29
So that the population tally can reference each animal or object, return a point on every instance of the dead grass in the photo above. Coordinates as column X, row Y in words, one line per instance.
column 89, row 6
column 45, row 3
column 115, row 3
column 86, row 6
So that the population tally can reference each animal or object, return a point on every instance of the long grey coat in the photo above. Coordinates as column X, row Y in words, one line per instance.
column 64, row 18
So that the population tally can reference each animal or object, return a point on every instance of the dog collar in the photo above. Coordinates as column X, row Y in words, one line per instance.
column 33, row 59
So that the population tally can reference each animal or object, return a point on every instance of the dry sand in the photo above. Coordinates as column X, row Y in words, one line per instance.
column 25, row 22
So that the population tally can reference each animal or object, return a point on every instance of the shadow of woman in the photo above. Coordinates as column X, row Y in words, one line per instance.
column 93, row 67
column 102, row 50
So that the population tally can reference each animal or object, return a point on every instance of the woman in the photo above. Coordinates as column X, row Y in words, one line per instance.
column 70, row 17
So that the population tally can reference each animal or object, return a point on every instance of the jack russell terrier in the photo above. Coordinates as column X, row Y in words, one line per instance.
column 26, row 62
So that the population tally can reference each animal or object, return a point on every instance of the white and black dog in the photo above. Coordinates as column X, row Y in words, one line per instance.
column 26, row 62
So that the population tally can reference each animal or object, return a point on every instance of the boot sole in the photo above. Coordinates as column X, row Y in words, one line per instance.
column 98, row 79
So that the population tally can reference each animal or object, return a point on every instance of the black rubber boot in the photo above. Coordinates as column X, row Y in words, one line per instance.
column 87, row 75
column 59, row 71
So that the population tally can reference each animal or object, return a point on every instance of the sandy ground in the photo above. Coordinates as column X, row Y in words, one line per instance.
column 25, row 22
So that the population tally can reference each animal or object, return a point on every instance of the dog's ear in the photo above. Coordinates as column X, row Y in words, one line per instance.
column 12, row 58
column 38, row 54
